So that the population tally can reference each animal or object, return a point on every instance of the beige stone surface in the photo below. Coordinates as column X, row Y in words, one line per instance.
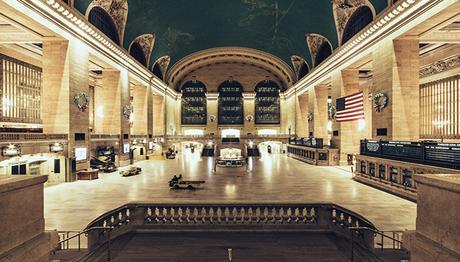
column 21, row 212
column 317, row 101
column 273, row 178
column 140, row 104
column 302, row 109
column 438, row 201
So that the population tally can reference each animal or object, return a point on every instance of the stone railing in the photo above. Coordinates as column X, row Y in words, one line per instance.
column 104, row 137
column 218, row 137
column 28, row 137
column 325, row 217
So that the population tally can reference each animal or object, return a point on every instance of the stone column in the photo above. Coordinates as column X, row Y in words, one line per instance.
column 317, row 103
column 249, row 109
column 396, row 74
column 345, row 82
column 211, row 107
column 65, row 75
column 140, row 102
column 110, row 98
column 158, row 123
column 302, row 108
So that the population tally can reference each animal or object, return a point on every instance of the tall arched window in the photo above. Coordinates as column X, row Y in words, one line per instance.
column 100, row 19
column 267, row 103
column 193, row 103
column 303, row 71
column 230, row 103
column 360, row 18
column 324, row 51
column 138, row 54
column 156, row 70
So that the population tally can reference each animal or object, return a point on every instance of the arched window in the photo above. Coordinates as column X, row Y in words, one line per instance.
column 156, row 70
column 303, row 71
column 324, row 51
column 100, row 19
column 360, row 18
column 193, row 103
column 230, row 103
column 138, row 54
column 267, row 103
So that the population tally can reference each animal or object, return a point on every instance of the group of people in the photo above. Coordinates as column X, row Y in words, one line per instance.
column 175, row 180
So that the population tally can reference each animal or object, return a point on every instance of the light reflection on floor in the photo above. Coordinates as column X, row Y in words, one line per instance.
column 71, row 206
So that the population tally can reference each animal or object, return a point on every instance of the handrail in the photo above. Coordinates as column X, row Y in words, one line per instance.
column 86, row 230
column 378, row 232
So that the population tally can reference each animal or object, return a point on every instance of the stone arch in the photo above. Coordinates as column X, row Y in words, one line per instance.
column 301, row 67
column 160, row 67
column 118, row 11
column 145, row 43
column 318, row 44
column 343, row 10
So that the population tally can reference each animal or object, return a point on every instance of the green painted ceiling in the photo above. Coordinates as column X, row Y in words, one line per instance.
column 183, row 27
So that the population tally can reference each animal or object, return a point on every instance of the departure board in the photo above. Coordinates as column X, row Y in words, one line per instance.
column 426, row 152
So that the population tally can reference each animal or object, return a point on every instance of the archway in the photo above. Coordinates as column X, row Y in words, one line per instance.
column 360, row 19
column 270, row 147
column 102, row 21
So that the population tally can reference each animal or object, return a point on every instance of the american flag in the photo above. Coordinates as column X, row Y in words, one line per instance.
column 350, row 108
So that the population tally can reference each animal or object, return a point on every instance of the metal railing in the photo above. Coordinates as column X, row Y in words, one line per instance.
column 11, row 137
column 67, row 236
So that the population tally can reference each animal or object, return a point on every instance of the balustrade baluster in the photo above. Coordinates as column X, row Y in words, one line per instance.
column 250, row 215
column 211, row 215
column 219, row 215
column 273, row 216
column 227, row 214
column 195, row 215
column 289, row 215
column 241, row 215
column 180, row 215
column 157, row 215
column 266, row 215
column 187, row 213
column 234, row 215
column 148, row 216
column 173, row 217
column 258, row 215
column 204, row 215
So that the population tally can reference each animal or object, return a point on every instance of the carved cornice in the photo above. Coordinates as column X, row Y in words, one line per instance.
column 343, row 10
column 146, row 41
column 314, row 42
column 117, row 9
column 440, row 66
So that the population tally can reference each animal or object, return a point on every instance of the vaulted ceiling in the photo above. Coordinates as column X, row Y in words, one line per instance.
column 183, row 27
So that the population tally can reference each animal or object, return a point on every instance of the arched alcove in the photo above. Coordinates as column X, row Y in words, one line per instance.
column 102, row 21
column 360, row 19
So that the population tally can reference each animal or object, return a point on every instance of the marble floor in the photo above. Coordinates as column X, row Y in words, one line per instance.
column 71, row 206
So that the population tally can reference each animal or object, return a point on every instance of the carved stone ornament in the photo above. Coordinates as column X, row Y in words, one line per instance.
column 117, row 9
column 212, row 118
column 310, row 116
column 343, row 10
column 332, row 112
column 314, row 42
column 297, row 63
column 440, row 66
column 81, row 100
column 127, row 111
column 163, row 63
column 146, row 41
column 249, row 118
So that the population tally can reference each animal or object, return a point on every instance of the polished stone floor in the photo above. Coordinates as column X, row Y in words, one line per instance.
column 274, row 178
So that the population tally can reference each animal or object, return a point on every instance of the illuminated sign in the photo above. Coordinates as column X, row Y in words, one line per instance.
column 125, row 148
column 56, row 147
column 11, row 150
column 80, row 153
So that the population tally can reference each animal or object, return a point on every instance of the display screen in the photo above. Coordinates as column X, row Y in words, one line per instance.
column 125, row 148
column 80, row 153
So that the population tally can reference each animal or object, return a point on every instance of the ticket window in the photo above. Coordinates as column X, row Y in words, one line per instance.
column 382, row 170
column 363, row 167
column 394, row 174
column 372, row 169
column 407, row 177
column 20, row 169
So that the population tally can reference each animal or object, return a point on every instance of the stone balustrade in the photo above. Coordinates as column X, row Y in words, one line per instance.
column 21, row 137
column 324, row 217
column 104, row 137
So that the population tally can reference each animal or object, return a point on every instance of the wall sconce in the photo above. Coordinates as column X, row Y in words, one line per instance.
column 56, row 147
column 212, row 118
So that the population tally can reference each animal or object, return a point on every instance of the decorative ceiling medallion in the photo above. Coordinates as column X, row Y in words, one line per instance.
column 379, row 101
column 81, row 99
